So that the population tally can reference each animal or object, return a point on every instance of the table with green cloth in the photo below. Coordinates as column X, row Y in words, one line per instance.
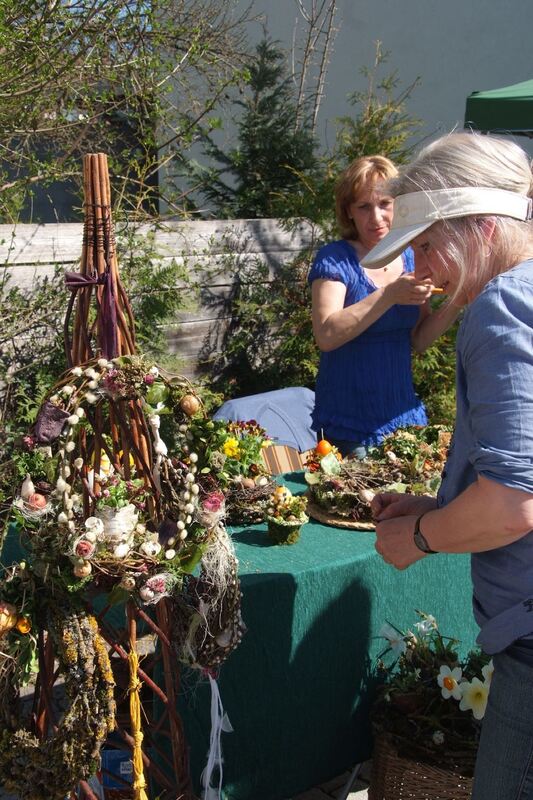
column 298, row 689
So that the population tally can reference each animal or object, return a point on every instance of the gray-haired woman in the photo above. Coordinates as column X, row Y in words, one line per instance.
column 465, row 207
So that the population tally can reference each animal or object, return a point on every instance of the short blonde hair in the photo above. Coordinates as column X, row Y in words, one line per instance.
column 360, row 173
column 473, row 159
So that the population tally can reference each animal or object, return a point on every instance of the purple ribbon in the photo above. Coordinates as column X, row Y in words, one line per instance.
column 107, row 316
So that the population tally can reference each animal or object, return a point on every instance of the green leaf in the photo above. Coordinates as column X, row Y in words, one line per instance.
column 117, row 596
column 157, row 393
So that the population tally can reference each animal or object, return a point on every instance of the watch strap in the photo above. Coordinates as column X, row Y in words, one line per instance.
column 419, row 538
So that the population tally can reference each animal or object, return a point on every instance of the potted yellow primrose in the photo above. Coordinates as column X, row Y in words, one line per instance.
column 285, row 516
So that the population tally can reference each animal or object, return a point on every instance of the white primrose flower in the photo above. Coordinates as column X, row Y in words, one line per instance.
column 474, row 697
column 448, row 680
column 61, row 485
column 91, row 373
column 154, row 371
column 62, row 518
column 93, row 385
column 80, row 412
column 426, row 625
column 77, row 372
column 73, row 419
column 103, row 363
column 78, row 463
column 67, row 390
column 395, row 639
column 70, row 446
column 91, row 398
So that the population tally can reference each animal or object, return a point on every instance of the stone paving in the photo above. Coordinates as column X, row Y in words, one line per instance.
column 337, row 788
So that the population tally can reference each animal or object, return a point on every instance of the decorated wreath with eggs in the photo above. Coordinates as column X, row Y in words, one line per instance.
column 340, row 490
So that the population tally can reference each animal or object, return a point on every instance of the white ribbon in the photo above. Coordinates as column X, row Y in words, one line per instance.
column 219, row 723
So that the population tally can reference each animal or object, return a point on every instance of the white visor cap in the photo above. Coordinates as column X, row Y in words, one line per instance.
column 417, row 211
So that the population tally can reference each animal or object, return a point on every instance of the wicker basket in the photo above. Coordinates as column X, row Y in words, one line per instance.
column 396, row 777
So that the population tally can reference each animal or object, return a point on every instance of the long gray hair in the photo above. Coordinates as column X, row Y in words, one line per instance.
column 469, row 159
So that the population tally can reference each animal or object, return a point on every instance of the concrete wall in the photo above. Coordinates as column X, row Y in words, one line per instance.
column 454, row 46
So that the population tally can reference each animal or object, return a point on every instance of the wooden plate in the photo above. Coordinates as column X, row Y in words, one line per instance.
column 321, row 515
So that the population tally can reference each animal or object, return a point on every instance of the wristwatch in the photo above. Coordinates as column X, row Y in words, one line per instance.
column 419, row 539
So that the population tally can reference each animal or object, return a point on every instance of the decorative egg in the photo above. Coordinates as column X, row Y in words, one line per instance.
column 8, row 617
column 23, row 624
column 146, row 593
column 83, row 570
column 150, row 549
column 36, row 500
column 190, row 404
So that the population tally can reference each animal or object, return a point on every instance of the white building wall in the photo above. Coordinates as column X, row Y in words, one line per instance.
column 455, row 46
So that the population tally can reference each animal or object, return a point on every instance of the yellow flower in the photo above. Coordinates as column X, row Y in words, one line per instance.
column 23, row 624
column 230, row 448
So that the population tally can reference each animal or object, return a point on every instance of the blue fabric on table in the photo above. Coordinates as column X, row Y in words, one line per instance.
column 285, row 414
column 298, row 689
column 364, row 389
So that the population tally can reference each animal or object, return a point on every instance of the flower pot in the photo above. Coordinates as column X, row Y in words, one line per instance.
column 284, row 532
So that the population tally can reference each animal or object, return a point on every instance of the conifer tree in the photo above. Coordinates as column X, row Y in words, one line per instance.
column 255, row 178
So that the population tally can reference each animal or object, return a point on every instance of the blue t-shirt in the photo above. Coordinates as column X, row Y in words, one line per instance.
column 493, row 437
column 364, row 389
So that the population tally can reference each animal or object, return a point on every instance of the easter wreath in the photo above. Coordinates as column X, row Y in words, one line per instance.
column 340, row 490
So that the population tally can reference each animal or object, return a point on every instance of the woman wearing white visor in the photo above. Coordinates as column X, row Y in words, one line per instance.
column 465, row 207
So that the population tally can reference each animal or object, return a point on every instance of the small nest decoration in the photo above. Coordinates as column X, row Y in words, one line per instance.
column 231, row 461
column 247, row 504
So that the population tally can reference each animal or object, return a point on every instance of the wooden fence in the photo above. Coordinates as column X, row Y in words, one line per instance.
column 213, row 250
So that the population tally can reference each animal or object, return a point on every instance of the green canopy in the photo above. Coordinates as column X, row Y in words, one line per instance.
column 506, row 110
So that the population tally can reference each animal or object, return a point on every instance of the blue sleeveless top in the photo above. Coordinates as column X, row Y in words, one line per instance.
column 364, row 389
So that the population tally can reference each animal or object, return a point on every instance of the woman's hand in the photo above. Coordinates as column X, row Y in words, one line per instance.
column 393, row 504
column 408, row 291
column 394, row 541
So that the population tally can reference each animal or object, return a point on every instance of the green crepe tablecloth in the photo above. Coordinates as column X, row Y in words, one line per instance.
column 297, row 691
